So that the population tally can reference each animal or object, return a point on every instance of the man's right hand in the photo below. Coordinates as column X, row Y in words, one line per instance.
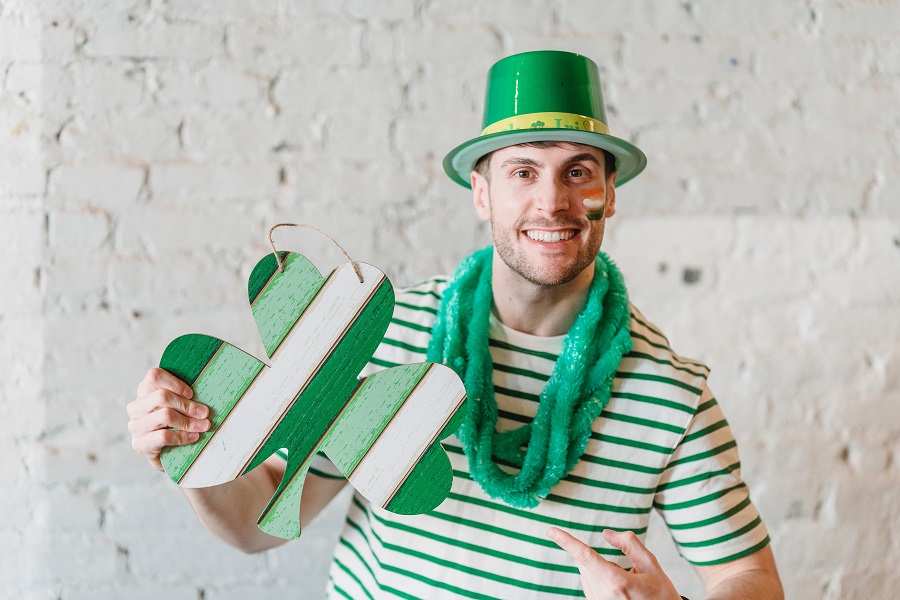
column 164, row 401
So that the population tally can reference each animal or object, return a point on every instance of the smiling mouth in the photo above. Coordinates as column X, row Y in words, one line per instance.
column 550, row 236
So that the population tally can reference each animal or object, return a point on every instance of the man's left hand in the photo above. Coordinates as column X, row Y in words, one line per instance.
column 603, row 580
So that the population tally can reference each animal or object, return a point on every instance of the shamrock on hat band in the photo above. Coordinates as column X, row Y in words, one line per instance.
column 552, row 120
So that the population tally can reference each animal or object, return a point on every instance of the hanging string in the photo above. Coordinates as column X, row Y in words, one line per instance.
column 320, row 232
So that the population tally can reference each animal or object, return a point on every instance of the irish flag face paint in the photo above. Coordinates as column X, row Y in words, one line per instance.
column 594, row 202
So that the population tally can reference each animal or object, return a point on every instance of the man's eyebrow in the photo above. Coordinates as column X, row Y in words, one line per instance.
column 521, row 160
column 585, row 156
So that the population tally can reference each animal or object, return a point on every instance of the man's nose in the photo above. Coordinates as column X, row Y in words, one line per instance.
column 554, row 197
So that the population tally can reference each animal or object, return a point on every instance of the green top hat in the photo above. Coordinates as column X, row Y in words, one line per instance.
column 543, row 96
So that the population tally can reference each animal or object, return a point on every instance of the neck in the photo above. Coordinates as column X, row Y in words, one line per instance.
column 544, row 310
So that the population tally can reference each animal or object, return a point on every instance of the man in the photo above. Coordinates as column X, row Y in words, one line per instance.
column 580, row 417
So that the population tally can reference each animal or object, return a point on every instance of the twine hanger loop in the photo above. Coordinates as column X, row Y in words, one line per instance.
column 320, row 232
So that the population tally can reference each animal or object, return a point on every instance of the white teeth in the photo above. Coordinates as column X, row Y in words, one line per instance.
column 549, row 236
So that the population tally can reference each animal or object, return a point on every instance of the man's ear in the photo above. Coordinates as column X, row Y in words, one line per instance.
column 610, row 195
column 481, row 195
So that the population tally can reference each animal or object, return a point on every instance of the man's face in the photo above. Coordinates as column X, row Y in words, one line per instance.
column 535, row 202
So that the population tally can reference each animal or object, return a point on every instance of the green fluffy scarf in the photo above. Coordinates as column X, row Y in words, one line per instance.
column 577, row 391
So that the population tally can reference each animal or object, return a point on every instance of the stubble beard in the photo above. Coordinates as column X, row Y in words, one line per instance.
column 514, row 257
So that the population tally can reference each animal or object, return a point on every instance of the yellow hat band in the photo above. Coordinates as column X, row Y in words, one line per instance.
column 547, row 120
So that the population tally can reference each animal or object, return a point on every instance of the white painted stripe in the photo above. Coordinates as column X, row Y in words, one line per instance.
column 294, row 363
column 392, row 457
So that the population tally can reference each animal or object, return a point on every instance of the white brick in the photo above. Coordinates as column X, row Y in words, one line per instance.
column 157, row 500
column 67, row 457
column 16, row 505
column 20, row 38
column 135, row 591
column 377, row 44
column 238, row 592
column 349, row 94
column 95, row 329
column 105, row 84
column 508, row 16
column 23, row 236
column 119, row 38
column 859, row 583
column 81, row 232
column 324, row 42
column 198, row 552
column 355, row 137
column 588, row 18
column 23, row 81
column 223, row 10
column 171, row 283
column 887, row 57
column 212, row 180
column 863, row 19
column 100, row 184
column 83, row 561
column 738, row 18
column 207, row 225
column 14, row 564
column 215, row 84
column 20, row 127
column 802, row 60
column 234, row 136
column 811, row 585
column 75, row 283
column 393, row 10
column 319, row 189
column 61, row 37
column 119, row 371
column 22, row 179
column 21, row 387
column 886, row 199
column 473, row 50
column 859, row 106
column 686, row 57
column 150, row 135
column 64, row 510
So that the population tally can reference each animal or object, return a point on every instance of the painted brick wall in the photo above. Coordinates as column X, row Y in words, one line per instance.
column 146, row 145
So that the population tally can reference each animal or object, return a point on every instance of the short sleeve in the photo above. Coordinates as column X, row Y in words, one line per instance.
column 702, row 497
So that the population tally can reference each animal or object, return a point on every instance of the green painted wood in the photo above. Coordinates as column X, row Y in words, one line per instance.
column 316, row 408
column 226, row 377
column 334, row 412
column 376, row 401
column 186, row 356
column 261, row 274
column 281, row 517
column 284, row 298
column 426, row 486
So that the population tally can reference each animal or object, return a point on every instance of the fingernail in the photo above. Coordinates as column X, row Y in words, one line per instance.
column 193, row 436
column 201, row 411
column 203, row 425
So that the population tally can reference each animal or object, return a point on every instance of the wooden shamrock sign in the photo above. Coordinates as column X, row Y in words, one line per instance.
column 381, row 431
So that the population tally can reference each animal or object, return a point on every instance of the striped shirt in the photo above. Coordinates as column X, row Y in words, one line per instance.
column 662, row 442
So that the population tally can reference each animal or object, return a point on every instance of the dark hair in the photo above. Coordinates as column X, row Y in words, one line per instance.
column 484, row 163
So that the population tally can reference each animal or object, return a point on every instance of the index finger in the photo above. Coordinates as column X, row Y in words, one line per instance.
column 583, row 554
column 160, row 379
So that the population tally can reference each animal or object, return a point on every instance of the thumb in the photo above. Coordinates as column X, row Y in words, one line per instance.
column 626, row 541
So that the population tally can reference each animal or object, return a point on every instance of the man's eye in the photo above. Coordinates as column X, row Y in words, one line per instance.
column 576, row 173
column 522, row 174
